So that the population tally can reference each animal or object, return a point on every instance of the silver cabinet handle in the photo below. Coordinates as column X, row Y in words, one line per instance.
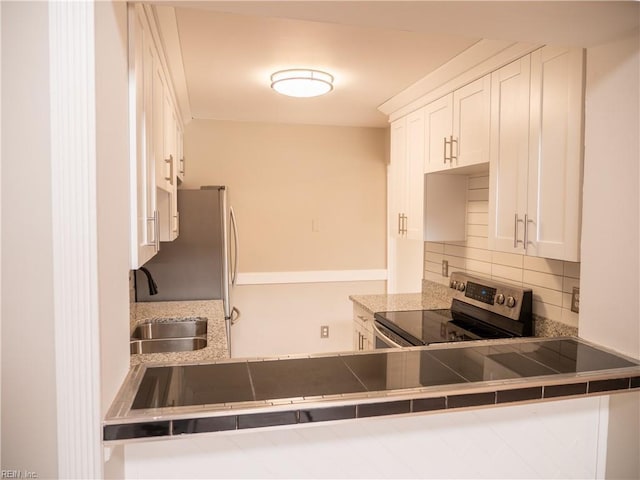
column 153, row 221
column 170, row 162
column 176, row 227
column 445, row 150
column 515, row 231
column 526, row 230
column 182, row 166
column 405, row 225
column 452, row 157
column 157, row 215
column 156, row 231
column 399, row 224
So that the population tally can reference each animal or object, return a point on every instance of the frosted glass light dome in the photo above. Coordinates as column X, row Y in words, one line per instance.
column 302, row 82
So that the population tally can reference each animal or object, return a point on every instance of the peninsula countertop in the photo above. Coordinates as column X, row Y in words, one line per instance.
column 166, row 401
column 212, row 310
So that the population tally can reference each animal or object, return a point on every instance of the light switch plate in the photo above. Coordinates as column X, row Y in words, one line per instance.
column 575, row 300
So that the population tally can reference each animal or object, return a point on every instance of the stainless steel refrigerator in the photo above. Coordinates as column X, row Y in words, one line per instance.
column 202, row 263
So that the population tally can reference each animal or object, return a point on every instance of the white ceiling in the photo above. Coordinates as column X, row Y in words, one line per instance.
column 375, row 49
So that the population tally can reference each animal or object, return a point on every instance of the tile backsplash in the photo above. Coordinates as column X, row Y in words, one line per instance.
column 552, row 281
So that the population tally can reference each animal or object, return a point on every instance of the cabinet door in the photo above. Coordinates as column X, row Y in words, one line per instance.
column 404, row 255
column 509, row 156
column 555, row 153
column 167, row 199
column 414, row 177
column 471, row 115
column 396, row 178
column 438, row 121
column 144, row 243
column 159, row 88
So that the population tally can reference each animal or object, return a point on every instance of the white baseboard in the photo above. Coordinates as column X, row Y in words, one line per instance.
column 319, row 276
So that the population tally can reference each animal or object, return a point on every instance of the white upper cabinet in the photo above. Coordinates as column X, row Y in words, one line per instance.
column 414, row 180
column 556, row 147
column 406, row 178
column 438, row 120
column 156, row 135
column 509, row 156
column 471, row 113
column 144, row 215
column 395, row 177
column 536, row 155
column 457, row 127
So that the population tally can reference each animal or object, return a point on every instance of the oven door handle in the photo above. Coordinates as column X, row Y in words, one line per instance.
column 386, row 339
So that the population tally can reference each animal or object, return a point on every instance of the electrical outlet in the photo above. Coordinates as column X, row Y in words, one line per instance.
column 445, row 268
column 575, row 300
column 324, row 331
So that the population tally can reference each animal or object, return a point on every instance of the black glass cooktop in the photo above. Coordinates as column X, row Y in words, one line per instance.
column 376, row 371
column 419, row 327
column 423, row 327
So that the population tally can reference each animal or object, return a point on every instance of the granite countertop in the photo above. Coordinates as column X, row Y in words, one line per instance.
column 434, row 296
column 167, row 401
column 212, row 310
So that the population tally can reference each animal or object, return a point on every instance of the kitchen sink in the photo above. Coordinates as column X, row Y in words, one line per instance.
column 169, row 335
column 162, row 345
column 170, row 329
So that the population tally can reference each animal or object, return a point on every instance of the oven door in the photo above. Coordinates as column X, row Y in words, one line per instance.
column 385, row 338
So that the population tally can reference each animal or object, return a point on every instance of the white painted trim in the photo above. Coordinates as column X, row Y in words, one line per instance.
column 478, row 60
column 318, row 276
column 74, row 226
column 1, row 237
column 603, row 437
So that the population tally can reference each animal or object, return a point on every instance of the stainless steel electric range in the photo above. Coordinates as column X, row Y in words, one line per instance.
column 480, row 309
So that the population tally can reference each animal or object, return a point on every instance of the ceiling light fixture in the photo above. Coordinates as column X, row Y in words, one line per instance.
column 300, row 82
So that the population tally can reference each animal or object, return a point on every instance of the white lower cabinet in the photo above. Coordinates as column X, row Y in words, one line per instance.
column 363, row 336
column 536, row 155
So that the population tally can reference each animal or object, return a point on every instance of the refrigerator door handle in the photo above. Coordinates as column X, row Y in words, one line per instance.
column 234, row 273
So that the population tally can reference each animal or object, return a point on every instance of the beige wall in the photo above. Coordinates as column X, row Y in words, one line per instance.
column 284, row 178
column 611, row 230
column 611, row 215
column 29, row 426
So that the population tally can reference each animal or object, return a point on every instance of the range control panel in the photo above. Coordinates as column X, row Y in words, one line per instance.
column 507, row 300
